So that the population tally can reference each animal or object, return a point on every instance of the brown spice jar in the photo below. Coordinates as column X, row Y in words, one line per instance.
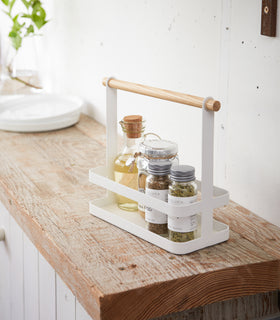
column 157, row 184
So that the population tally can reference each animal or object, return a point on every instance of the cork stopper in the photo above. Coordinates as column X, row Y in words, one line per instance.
column 132, row 125
column 133, row 118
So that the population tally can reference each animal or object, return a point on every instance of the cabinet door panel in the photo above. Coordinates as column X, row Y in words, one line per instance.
column 47, row 290
column 81, row 313
column 31, row 280
column 16, row 271
column 66, row 301
column 5, row 265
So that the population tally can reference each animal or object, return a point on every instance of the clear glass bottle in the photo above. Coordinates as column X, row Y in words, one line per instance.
column 155, row 150
column 142, row 175
column 125, row 168
column 157, row 184
column 21, row 70
column 182, row 190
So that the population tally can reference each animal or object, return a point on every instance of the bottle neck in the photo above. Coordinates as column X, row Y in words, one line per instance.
column 131, row 145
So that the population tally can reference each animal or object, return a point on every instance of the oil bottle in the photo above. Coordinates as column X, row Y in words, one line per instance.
column 125, row 168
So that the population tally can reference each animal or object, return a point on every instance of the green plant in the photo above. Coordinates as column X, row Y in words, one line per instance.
column 25, row 24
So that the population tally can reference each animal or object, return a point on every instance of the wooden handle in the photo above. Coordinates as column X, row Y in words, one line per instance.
column 178, row 97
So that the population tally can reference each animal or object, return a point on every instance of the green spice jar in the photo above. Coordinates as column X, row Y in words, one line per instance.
column 182, row 190
column 157, row 184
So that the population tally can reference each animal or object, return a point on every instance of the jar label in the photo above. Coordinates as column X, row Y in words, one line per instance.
column 182, row 224
column 153, row 215
column 141, row 207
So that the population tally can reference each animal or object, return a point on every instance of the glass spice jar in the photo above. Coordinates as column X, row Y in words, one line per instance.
column 157, row 184
column 182, row 190
column 154, row 150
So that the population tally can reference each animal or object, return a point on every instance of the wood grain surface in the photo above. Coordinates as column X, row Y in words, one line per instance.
column 115, row 275
column 260, row 306
column 269, row 18
column 168, row 95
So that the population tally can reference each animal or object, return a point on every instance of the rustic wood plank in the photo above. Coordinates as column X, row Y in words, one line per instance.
column 252, row 227
column 44, row 184
column 194, row 291
column 245, row 308
column 93, row 130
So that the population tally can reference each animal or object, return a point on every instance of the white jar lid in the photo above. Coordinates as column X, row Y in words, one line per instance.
column 155, row 149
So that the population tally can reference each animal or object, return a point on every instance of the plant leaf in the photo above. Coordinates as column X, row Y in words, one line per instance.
column 12, row 34
column 26, row 3
column 16, row 26
column 35, row 3
column 7, row 13
column 16, row 39
column 15, row 18
column 38, row 16
column 6, row 2
column 11, row 5
column 29, row 30
column 25, row 15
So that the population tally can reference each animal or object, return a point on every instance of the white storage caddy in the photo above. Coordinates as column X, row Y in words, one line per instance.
column 210, row 231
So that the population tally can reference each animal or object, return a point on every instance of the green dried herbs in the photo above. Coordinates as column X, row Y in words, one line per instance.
column 160, row 229
column 180, row 236
column 183, row 190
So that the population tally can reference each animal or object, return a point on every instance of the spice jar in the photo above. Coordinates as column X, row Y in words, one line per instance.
column 182, row 190
column 157, row 184
column 155, row 150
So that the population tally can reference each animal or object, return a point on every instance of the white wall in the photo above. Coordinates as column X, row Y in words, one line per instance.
column 199, row 47
column 253, row 159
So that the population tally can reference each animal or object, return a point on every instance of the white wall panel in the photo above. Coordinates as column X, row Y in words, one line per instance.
column 5, row 265
column 200, row 47
column 29, row 286
column 253, row 170
column 170, row 44
column 47, row 290
column 81, row 313
column 66, row 301
column 31, row 280
column 16, row 272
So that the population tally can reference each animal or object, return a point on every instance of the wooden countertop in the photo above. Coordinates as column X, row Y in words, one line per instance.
column 115, row 275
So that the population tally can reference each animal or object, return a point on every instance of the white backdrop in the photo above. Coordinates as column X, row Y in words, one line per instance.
column 198, row 47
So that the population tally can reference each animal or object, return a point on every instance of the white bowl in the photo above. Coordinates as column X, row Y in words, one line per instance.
column 39, row 112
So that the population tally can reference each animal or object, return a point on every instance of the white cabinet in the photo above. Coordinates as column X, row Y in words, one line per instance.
column 30, row 289
column 5, row 259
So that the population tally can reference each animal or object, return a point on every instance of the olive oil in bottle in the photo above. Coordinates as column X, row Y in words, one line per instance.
column 125, row 168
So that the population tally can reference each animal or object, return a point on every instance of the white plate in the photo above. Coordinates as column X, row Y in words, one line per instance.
column 40, row 112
